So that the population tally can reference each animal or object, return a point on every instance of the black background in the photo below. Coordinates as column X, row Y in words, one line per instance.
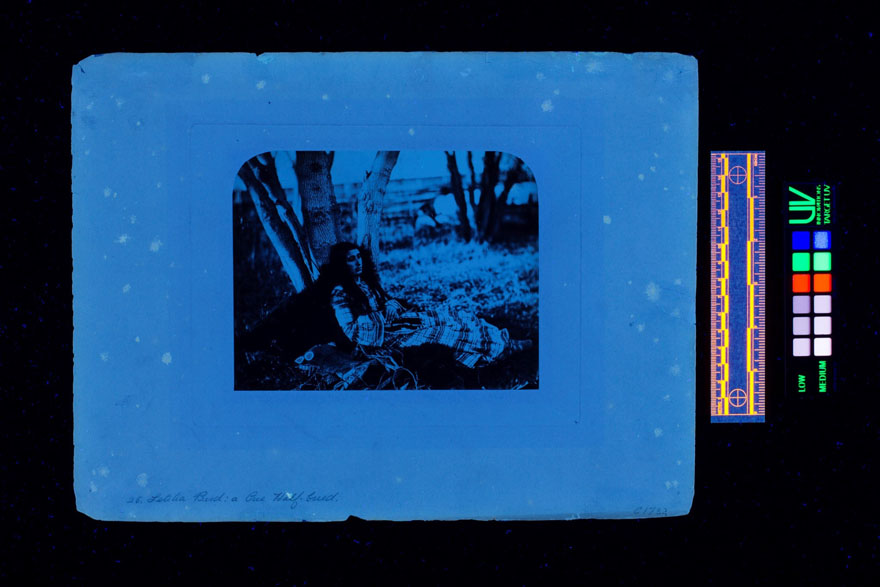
column 792, row 500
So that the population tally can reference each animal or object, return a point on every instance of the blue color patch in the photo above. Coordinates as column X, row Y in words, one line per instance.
column 821, row 239
column 800, row 240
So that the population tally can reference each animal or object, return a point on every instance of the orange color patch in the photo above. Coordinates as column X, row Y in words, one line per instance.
column 800, row 283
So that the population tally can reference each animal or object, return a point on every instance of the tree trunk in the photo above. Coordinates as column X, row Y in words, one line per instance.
column 264, row 167
column 319, row 208
column 486, row 207
column 472, row 188
column 370, row 200
column 278, row 232
column 458, row 193
column 511, row 179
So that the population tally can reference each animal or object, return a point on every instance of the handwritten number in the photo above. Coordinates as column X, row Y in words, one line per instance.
column 649, row 510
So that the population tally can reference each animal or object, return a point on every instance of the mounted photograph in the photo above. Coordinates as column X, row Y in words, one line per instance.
column 371, row 270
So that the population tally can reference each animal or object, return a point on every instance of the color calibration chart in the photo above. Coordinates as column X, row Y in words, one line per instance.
column 810, row 297
column 738, row 297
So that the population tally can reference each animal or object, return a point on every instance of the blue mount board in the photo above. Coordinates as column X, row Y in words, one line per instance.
column 159, row 431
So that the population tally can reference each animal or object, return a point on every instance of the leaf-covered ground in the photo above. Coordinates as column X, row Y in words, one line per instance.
column 498, row 283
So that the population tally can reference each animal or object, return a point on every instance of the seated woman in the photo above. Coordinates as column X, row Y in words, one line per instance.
column 369, row 317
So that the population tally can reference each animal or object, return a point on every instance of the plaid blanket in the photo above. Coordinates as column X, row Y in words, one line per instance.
column 472, row 339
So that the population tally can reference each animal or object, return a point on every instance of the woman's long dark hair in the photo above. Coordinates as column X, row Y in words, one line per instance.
column 336, row 272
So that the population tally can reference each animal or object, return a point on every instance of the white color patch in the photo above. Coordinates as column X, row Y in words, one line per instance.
column 133, row 218
column 640, row 327
column 666, row 127
column 206, row 78
column 93, row 488
column 107, row 192
column 105, row 356
column 674, row 370
column 104, row 471
column 556, row 92
column 142, row 479
column 676, row 312
column 325, row 97
column 666, row 397
column 126, row 288
column 593, row 67
column 154, row 246
column 606, row 219
column 547, row 105
column 137, row 338
column 166, row 358
column 652, row 291
column 658, row 432
column 653, row 169
column 122, row 239
column 641, row 177
column 261, row 84
column 388, row 96
column 412, row 132
column 677, row 281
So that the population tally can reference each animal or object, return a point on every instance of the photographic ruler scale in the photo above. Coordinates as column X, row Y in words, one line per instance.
column 738, row 293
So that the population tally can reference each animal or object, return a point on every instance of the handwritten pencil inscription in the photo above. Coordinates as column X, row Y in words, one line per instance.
column 291, row 499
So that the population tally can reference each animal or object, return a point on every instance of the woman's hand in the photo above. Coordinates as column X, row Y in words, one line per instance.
column 393, row 309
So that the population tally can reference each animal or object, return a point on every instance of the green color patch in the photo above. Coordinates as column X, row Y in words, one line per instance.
column 822, row 261
column 800, row 261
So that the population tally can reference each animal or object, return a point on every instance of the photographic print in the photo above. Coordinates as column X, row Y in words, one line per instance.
column 385, row 270
column 297, row 278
